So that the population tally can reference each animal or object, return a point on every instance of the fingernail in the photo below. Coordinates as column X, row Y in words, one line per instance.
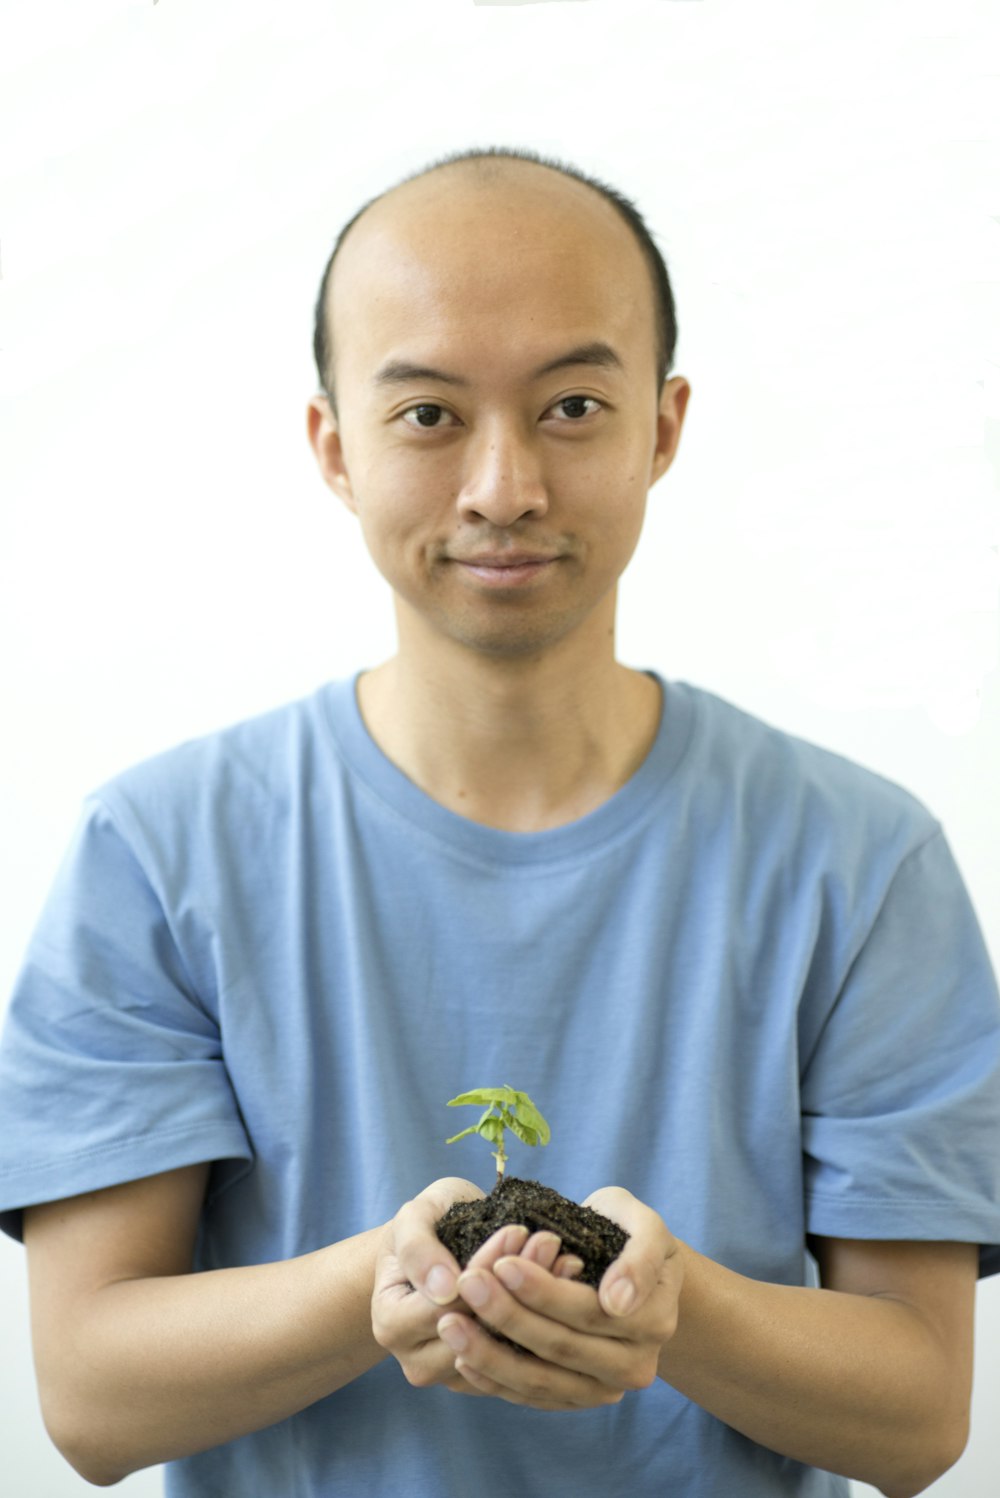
column 508, row 1272
column 452, row 1333
column 474, row 1289
column 514, row 1238
column 572, row 1266
column 441, row 1285
column 622, row 1297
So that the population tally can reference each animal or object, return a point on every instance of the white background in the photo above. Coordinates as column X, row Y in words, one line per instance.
column 824, row 181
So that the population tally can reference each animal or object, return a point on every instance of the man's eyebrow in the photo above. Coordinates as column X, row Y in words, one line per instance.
column 401, row 371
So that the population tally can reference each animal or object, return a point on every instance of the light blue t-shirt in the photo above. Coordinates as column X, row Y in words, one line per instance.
column 750, row 987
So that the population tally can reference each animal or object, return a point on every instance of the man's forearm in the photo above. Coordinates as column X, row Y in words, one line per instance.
column 855, row 1384
column 165, row 1367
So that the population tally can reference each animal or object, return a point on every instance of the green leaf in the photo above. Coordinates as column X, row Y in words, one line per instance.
column 528, row 1114
column 481, row 1095
column 514, row 1111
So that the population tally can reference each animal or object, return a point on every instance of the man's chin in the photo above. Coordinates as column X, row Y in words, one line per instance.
column 512, row 643
column 496, row 632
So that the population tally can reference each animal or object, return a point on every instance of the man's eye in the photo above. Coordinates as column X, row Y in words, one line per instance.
column 427, row 415
column 421, row 411
column 576, row 401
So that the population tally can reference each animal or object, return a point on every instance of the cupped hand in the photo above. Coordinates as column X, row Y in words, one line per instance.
column 416, row 1276
column 591, row 1347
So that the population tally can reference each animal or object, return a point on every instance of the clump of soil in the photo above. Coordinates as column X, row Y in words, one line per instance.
column 590, row 1235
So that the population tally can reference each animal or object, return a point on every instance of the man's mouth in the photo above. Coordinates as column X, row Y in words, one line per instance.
column 506, row 569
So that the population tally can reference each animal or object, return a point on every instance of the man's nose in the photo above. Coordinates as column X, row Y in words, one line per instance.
column 504, row 481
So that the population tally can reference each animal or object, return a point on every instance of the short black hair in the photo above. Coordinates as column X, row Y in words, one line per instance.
column 666, row 317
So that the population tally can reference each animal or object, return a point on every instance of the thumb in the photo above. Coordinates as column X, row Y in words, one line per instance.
column 629, row 1281
column 421, row 1255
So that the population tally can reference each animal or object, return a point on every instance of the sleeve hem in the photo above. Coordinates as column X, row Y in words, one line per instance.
column 113, row 1164
column 912, row 1221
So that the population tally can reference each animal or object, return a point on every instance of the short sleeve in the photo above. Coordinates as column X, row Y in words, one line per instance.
column 901, row 1095
column 111, row 1065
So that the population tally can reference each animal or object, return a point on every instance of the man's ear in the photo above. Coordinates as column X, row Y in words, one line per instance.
column 323, row 431
column 670, row 419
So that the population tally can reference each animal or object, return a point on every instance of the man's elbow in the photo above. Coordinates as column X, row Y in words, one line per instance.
column 98, row 1478
column 77, row 1445
column 934, row 1461
column 91, row 1465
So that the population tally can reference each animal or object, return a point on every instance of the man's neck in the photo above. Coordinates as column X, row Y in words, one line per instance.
column 518, row 747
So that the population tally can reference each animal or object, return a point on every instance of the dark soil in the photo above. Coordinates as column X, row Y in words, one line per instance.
column 590, row 1235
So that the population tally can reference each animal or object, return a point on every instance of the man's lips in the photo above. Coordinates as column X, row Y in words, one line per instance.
column 507, row 568
column 507, row 559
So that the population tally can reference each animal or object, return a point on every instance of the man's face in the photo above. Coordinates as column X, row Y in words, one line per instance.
column 500, row 498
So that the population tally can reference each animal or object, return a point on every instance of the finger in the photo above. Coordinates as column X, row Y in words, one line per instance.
column 628, row 1282
column 561, row 1297
column 507, row 1240
column 403, row 1321
column 570, row 1329
column 478, row 1383
column 505, row 1372
column 422, row 1257
column 557, row 1326
column 459, row 1384
column 567, row 1267
column 542, row 1248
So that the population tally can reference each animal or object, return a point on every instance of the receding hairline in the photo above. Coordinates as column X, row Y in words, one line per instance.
column 487, row 172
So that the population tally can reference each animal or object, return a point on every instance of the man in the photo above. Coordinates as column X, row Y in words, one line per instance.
column 740, row 976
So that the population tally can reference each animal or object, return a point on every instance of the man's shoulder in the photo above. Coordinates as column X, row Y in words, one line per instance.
column 262, row 754
column 783, row 778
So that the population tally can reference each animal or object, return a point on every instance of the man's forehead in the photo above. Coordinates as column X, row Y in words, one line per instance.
column 487, row 280
column 394, row 346
column 467, row 249
column 596, row 353
column 473, row 235
column 552, row 293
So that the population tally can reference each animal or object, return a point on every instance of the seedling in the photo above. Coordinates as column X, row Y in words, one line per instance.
column 515, row 1111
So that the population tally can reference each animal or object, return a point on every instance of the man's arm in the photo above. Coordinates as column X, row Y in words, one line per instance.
column 869, row 1376
column 140, row 1361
